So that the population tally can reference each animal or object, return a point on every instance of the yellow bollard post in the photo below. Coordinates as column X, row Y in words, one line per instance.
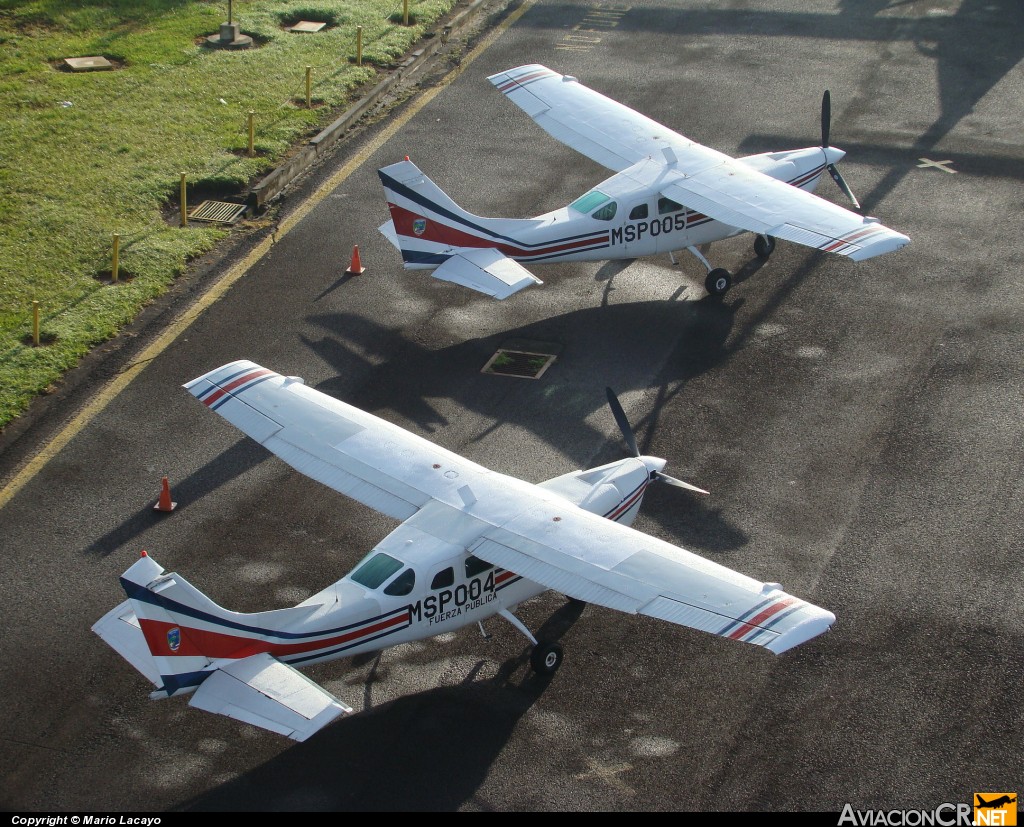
column 359, row 45
column 309, row 87
column 405, row 12
column 252, row 146
column 35, row 323
column 113, row 267
column 184, row 206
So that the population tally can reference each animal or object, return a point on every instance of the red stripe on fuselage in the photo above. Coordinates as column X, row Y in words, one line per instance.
column 205, row 643
column 441, row 233
column 504, row 576
column 628, row 504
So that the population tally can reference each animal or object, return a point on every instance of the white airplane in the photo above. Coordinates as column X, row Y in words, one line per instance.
column 668, row 193
column 473, row 543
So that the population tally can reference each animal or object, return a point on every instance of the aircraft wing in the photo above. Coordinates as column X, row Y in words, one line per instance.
column 349, row 450
column 517, row 525
column 600, row 561
column 705, row 180
column 604, row 130
column 734, row 193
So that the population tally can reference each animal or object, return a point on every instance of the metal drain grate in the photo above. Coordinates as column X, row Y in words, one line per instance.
column 521, row 363
column 220, row 212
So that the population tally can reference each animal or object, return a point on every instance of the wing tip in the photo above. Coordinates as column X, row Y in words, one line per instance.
column 819, row 622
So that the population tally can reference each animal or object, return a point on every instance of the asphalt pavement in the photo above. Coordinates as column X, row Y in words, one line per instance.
column 858, row 426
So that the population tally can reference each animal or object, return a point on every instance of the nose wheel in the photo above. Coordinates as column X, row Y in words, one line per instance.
column 718, row 281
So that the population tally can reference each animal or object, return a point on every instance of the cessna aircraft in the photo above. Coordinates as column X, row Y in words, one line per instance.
column 473, row 543
column 669, row 193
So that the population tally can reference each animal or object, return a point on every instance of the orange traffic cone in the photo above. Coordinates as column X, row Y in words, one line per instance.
column 164, row 503
column 355, row 268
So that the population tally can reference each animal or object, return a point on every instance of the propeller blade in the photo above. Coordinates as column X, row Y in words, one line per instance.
column 623, row 423
column 843, row 185
column 679, row 483
column 826, row 117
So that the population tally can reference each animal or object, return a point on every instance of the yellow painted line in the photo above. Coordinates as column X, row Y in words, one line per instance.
column 221, row 287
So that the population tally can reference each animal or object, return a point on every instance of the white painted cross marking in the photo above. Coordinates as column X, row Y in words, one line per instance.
column 925, row 162
column 607, row 773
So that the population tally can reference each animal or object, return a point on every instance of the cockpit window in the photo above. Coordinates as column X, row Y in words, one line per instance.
column 376, row 570
column 606, row 213
column 443, row 578
column 402, row 584
column 589, row 201
column 474, row 565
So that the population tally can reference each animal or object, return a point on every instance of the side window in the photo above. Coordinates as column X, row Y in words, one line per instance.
column 474, row 565
column 639, row 211
column 667, row 205
column 606, row 213
column 443, row 578
column 402, row 584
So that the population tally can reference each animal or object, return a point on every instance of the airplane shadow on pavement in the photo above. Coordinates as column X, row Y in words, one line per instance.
column 611, row 346
column 428, row 751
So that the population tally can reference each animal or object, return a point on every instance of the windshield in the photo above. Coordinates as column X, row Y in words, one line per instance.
column 589, row 201
column 375, row 570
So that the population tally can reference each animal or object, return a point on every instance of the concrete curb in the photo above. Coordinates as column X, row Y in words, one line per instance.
column 263, row 192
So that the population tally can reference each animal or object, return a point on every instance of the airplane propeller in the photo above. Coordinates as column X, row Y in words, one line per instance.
column 826, row 121
column 627, row 434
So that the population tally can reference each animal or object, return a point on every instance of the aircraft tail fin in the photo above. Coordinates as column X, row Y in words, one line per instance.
column 432, row 232
column 183, row 642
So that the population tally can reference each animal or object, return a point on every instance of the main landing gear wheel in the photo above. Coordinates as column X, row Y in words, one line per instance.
column 718, row 281
column 546, row 658
column 764, row 246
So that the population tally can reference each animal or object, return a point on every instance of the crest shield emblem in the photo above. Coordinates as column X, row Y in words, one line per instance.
column 419, row 226
column 174, row 638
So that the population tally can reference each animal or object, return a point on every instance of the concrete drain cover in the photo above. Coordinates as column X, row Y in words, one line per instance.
column 525, row 360
column 307, row 26
column 87, row 64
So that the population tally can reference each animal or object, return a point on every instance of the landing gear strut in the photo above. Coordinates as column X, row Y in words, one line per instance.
column 718, row 279
column 545, row 658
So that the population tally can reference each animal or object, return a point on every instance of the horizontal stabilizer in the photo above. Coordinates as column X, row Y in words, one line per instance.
column 262, row 691
column 119, row 628
column 486, row 271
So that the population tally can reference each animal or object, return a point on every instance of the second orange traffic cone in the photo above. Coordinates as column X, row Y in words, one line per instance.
column 355, row 268
column 164, row 503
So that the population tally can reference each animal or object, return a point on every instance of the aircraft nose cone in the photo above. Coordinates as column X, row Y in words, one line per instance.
column 833, row 155
column 653, row 464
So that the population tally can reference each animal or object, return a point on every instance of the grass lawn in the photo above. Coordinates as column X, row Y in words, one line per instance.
column 85, row 155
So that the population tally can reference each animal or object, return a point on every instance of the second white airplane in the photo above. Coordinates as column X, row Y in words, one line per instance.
column 668, row 193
